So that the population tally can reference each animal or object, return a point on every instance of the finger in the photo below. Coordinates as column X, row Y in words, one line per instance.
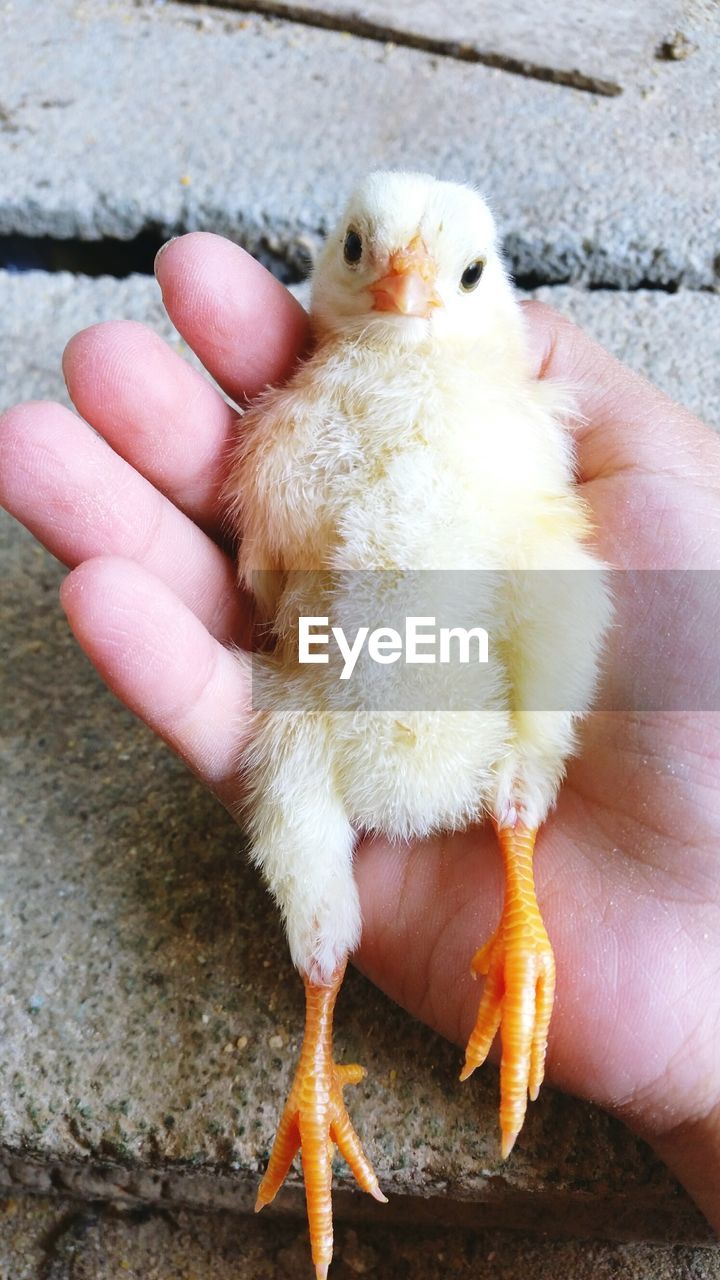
column 157, row 412
column 425, row 907
column 163, row 664
column 627, row 422
column 242, row 323
column 81, row 500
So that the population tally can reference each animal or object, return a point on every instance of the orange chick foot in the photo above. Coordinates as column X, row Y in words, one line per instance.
column 315, row 1121
column 519, row 969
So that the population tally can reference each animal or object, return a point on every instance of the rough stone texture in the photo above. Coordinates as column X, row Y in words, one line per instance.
column 149, row 1015
column 147, row 983
column 586, row 43
column 62, row 1240
column 118, row 117
column 672, row 338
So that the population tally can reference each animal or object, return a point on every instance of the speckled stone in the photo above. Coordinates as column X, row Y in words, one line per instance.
column 670, row 337
column 119, row 117
column 147, row 981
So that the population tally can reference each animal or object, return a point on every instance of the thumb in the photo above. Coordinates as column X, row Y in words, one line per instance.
column 626, row 422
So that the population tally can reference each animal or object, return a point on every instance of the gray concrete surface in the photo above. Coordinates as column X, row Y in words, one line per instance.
column 43, row 1239
column 585, row 44
column 671, row 338
column 117, row 117
column 149, row 1015
column 150, row 1018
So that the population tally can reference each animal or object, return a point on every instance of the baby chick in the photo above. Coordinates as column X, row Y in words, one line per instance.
column 412, row 439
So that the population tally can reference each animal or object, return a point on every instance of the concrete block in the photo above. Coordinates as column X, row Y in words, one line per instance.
column 587, row 44
column 671, row 338
column 149, row 1015
column 66, row 1240
column 119, row 118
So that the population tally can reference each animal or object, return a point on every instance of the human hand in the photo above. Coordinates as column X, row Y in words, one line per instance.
column 626, row 866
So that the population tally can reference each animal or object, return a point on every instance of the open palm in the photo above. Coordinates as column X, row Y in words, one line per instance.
column 627, row 865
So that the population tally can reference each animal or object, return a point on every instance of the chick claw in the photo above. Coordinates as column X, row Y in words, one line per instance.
column 519, row 969
column 315, row 1121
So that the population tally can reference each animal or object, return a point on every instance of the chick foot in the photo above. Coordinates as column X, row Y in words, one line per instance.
column 519, row 969
column 315, row 1121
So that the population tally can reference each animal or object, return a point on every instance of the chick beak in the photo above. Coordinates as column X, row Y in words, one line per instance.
column 408, row 289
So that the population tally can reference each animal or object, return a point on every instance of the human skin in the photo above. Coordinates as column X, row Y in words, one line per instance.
column 628, row 865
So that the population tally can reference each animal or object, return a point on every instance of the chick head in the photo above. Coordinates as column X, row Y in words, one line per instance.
column 411, row 257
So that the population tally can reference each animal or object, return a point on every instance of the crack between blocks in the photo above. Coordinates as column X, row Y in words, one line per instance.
column 121, row 259
column 457, row 50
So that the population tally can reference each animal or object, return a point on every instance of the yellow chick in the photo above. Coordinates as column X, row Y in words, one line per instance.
column 412, row 440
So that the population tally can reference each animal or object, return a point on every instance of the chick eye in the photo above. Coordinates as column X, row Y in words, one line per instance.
column 470, row 277
column 352, row 248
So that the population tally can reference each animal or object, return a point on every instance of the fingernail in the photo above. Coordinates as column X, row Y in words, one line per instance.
column 163, row 249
